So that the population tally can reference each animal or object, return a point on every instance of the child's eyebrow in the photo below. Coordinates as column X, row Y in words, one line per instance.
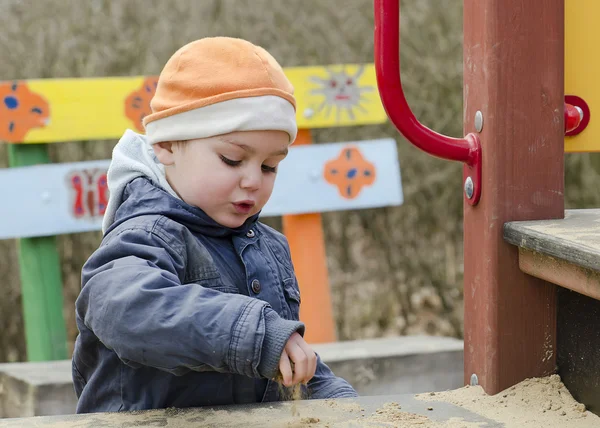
column 251, row 150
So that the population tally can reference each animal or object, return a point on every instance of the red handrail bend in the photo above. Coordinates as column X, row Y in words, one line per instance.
column 387, row 66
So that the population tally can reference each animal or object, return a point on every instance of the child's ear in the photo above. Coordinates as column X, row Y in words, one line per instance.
column 164, row 152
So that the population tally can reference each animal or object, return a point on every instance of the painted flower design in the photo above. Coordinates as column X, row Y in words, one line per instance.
column 350, row 172
column 137, row 104
column 20, row 111
column 88, row 192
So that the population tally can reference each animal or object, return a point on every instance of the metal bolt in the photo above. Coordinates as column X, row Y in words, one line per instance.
column 478, row 121
column 474, row 380
column 46, row 197
column 308, row 113
column 469, row 188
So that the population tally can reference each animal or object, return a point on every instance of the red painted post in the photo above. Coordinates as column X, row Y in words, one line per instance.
column 514, row 76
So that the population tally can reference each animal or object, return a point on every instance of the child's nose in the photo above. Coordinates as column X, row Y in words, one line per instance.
column 251, row 179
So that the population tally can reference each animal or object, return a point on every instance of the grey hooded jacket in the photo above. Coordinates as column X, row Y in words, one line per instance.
column 178, row 311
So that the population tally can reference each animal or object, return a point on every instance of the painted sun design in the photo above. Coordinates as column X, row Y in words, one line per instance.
column 342, row 92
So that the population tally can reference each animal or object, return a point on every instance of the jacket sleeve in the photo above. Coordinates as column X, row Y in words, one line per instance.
column 134, row 302
column 325, row 384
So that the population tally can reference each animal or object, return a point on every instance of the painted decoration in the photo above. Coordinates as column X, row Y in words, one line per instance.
column 350, row 172
column 54, row 199
column 88, row 189
column 103, row 108
column 302, row 186
column 582, row 68
column 20, row 111
column 137, row 104
column 342, row 92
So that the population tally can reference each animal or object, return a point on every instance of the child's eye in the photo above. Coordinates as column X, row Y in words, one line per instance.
column 270, row 169
column 229, row 161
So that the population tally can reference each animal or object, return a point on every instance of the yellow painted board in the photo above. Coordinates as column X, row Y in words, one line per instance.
column 582, row 68
column 58, row 110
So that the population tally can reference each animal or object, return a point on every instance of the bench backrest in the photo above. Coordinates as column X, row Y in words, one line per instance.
column 55, row 199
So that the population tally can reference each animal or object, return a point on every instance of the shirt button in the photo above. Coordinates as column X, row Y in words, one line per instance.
column 256, row 286
column 250, row 234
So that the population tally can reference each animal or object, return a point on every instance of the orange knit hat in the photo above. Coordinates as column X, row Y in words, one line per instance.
column 218, row 85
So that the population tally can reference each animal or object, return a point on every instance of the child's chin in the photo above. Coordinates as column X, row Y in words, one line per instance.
column 232, row 223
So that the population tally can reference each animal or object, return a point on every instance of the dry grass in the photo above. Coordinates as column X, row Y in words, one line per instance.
column 394, row 270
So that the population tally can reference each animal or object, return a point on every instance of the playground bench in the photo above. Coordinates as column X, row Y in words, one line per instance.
column 45, row 200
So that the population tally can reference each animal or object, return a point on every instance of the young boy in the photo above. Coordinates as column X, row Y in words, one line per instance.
column 190, row 300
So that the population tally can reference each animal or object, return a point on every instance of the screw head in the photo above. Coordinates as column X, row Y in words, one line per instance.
column 308, row 113
column 474, row 380
column 478, row 121
column 469, row 187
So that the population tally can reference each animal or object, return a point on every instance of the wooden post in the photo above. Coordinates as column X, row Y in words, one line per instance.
column 41, row 279
column 513, row 74
column 307, row 245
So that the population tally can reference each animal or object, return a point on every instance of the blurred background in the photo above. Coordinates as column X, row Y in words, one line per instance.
column 393, row 271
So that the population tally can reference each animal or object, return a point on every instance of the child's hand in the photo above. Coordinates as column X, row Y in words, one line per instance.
column 302, row 356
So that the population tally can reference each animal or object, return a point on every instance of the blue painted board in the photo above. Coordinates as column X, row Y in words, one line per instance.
column 55, row 199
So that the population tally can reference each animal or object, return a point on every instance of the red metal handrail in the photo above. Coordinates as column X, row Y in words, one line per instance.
column 387, row 65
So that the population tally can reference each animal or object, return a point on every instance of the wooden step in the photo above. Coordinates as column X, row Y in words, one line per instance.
column 565, row 252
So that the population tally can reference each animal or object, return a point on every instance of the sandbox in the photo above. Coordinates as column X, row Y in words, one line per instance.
column 542, row 402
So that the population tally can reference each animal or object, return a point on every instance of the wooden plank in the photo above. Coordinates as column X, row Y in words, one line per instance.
column 560, row 272
column 55, row 199
column 400, row 410
column 582, row 67
column 57, row 110
column 307, row 247
column 41, row 279
column 574, row 239
column 510, row 317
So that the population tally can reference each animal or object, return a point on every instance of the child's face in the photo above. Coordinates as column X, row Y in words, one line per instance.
column 230, row 177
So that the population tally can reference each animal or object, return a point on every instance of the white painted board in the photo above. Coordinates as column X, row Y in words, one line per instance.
column 55, row 199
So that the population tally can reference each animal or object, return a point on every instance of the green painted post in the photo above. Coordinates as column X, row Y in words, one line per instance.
column 41, row 279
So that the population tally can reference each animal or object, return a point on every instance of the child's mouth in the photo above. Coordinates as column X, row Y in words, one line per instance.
column 243, row 207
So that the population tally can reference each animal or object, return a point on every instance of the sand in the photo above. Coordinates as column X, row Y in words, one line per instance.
column 541, row 402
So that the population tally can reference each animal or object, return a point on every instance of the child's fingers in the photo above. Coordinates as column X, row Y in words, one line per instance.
column 313, row 365
column 300, row 359
column 311, row 360
column 285, row 368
